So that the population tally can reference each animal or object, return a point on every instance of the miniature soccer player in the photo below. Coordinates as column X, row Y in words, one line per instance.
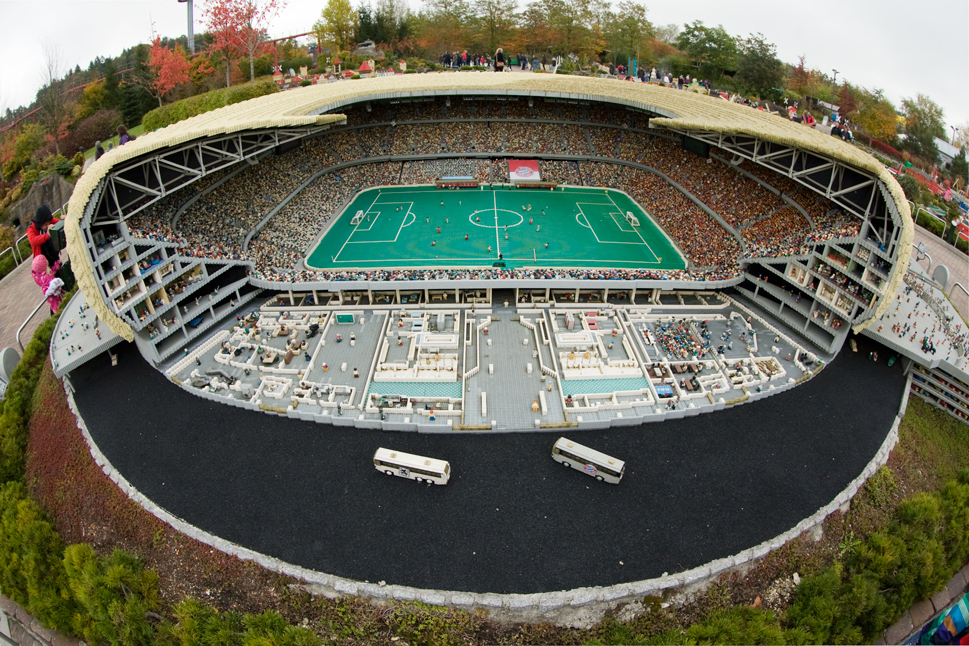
column 546, row 245
column 465, row 236
column 439, row 229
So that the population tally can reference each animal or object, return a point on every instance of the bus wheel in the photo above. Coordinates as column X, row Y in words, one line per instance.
column 566, row 464
column 599, row 478
column 389, row 472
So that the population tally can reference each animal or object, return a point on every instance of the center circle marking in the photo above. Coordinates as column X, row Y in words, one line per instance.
column 488, row 218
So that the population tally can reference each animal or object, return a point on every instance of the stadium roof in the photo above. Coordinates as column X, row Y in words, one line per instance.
column 682, row 110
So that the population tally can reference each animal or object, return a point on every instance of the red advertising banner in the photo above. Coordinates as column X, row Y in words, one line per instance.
column 520, row 169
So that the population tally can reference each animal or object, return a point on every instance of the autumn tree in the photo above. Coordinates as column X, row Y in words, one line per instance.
column 668, row 33
column 758, row 68
column 338, row 23
column 924, row 121
column 495, row 24
column 169, row 68
column 220, row 20
column 569, row 19
column 712, row 48
column 875, row 114
column 253, row 18
column 803, row 80
column 962, row 135
column 238, row 28
column 16, row 156
column 534, row 33
column 847, row 103
column 93, row 98
column 444, row 24
column 629, row 31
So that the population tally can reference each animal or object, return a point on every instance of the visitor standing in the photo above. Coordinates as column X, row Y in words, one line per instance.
column 499, row 60
column 46, row 278
column 40, row 242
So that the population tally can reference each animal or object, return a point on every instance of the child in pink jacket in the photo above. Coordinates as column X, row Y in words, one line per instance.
column 49, row 282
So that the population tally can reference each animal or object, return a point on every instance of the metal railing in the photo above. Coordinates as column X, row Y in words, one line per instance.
column 919, row 207
column 26, row 321
column 16, row 247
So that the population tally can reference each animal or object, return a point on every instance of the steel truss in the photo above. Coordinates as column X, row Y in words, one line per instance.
column 138, row 183
column 856, row 190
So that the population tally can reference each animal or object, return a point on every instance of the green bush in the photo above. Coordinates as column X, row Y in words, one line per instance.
column 910, row 187
column 295, row 63
column 63, row 166
column 16, row 408
column 116, row 595
column 410, row 71
column 202, row 103
column 893, row 568
column 305, row 82
column 31, row 572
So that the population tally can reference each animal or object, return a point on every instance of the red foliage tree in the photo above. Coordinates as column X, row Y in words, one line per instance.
column 846, row 100
column 169, row 67
column 239, row 27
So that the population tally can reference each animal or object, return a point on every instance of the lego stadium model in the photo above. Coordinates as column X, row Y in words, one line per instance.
column 469, row 251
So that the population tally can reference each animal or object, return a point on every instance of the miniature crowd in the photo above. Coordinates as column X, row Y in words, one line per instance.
column 759, row 221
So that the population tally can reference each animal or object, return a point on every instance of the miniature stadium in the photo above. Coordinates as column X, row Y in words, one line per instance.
column 297, row 280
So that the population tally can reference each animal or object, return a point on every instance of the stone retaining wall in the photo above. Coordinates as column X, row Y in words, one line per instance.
column 18, row 627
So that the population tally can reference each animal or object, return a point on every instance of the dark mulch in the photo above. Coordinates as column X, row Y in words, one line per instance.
column 511, row 520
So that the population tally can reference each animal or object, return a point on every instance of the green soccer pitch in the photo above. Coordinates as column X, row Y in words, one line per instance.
column 422, row 226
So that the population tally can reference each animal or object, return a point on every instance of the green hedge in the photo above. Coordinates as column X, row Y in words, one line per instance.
column 202, row 103
column 911, row 559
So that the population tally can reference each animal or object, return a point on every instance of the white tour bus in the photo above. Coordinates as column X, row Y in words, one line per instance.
column 415, row 467
column 589, row 461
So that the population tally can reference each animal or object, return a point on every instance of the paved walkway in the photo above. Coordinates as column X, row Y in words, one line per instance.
column 955, row 260
column 19, row 295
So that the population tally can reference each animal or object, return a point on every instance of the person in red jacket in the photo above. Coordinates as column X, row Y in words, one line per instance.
column 40, row 242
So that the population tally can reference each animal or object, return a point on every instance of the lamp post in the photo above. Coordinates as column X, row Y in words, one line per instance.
column 191, row 28
column 954, row 131
column 835, row 75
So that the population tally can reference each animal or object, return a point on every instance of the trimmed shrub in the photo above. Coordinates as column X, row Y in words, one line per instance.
column 910, row 187
column 116, row 594
column 16, row 408
column 31, row 572
column 202, row 103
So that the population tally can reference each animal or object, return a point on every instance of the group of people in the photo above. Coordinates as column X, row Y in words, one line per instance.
column 497, row 61
column 123, row 138
column 46, row 260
